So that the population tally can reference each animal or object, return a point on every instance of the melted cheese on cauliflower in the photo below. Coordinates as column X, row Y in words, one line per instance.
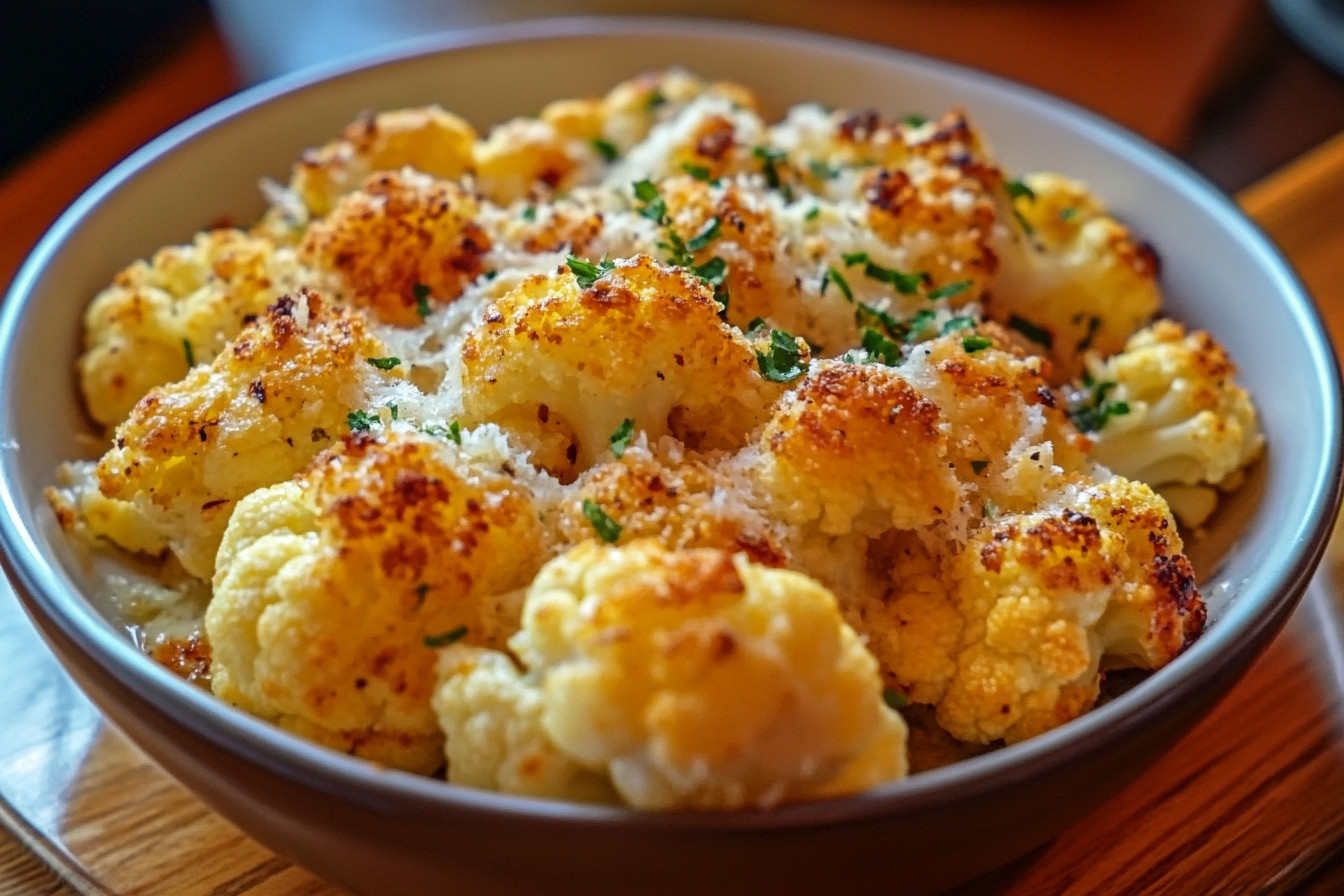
column 647, row 450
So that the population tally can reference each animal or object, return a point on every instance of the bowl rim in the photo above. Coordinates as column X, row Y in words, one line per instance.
column 38, row 582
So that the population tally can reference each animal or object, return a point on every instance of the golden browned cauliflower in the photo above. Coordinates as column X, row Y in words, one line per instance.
column 400, row 245
column 562, row 364
column 855, row 448
column 1168, row 411
column 162, row 316
column 692, row 679
column 1095, row 578
column 426, row 138
column 334, row 589
column 275, row 396
column 1072, row 279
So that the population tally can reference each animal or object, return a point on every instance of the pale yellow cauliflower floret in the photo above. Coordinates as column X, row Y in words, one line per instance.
column 1094, row 578
column 1186, row 423
column 426, row 138
column 698, row 680
column 855, row 447
column 161, row 316
column 275, row 396
column 333, row 590
column 401, row 245
column 1071, row 271
column 561, row 366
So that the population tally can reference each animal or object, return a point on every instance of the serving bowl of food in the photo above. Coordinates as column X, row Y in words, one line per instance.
column 630, row 456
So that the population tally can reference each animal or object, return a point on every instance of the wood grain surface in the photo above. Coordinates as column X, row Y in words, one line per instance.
column 1251, row 801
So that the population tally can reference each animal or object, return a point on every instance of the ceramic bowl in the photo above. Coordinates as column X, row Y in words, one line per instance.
column 378, row 831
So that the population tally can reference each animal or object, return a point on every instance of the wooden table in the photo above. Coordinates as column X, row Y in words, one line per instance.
column 1251, row 801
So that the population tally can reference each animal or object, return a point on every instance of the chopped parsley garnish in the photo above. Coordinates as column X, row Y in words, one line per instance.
column 529, row 213
column 585, row 272
column 620, row 439
column 655, row 208
column 812, row 213
column 823, row 170
column 769, row 159
column 757, row 324
column 187, row 350
column 421, row 293
column 451, row 431
column 834, row 276
column 949, row 290
column 455, row 432
column 1094, row 411
column 606, row 149
column 656, row 99
column 699, row 172
column 451, row 636
column 395, row 410
column 976, row 343
column 958, row 323
column 1019, row 190
column 783, row 362
column 1031, row 331
column 707, row 235
column 360, row 421
column 979, row 466
column 607, row 529
column 915, row 120
column 1093, row 325
column 712, row 271
column 1067, row 214
column 894, row 698
column 906, row 284
column 880, row 347
column 384, row 363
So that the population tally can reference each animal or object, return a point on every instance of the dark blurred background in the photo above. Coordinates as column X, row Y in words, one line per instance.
column 59, row 59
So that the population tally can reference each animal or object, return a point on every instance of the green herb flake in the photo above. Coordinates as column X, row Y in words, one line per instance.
column 585, row 272
column 976, row 343
column 812, row 213
column 769, row 159
column 529, row 213
column 906, row 284
column 1068, row 214
column 979, row 466
column 834, row 276
column 852, row 258
column 421, row 293
column 620, row 439
column 699, row 172
column 384, row 363
column 1036, row 334
column 360, row 421
column 915, row 120
column 712, row 271
column 894, row 698
column 189, row 353
column 452, row 636
column 950, row 290
column 607, row 529
column 606, row 149
column 757, row 324
column 395, row 410
column 1093, row 412
column 707, row 235
column 1019, row 190
column 655, row 208
column 880, row 347
column 1093, row 325
column 455, row 432
column 656, row 99
column 957, row 323
column 823, row 170
column 783, row 362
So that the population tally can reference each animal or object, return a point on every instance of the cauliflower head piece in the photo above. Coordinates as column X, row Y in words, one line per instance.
column 1168, row 411
column 1071, row 278
column 696, row 679
column 333, row 590
column 161, row 317
column 1096, row 579
column 562, row 364
column 278, row 394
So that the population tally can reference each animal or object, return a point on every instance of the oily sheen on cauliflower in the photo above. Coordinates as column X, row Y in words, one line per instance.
column 686, row 679
column 332, row 590
column 650, row 450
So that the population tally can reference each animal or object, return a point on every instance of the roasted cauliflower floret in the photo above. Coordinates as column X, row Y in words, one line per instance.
column 1094, row 579
column 1071, row 276
column 427, row 139
column 334, row 589
column 562, row 364
column 160, row 317
column 1168, row 411
column 697, row 680
column 278, row 394
column 402, row 244
column 855, row 448
column 683, row 502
